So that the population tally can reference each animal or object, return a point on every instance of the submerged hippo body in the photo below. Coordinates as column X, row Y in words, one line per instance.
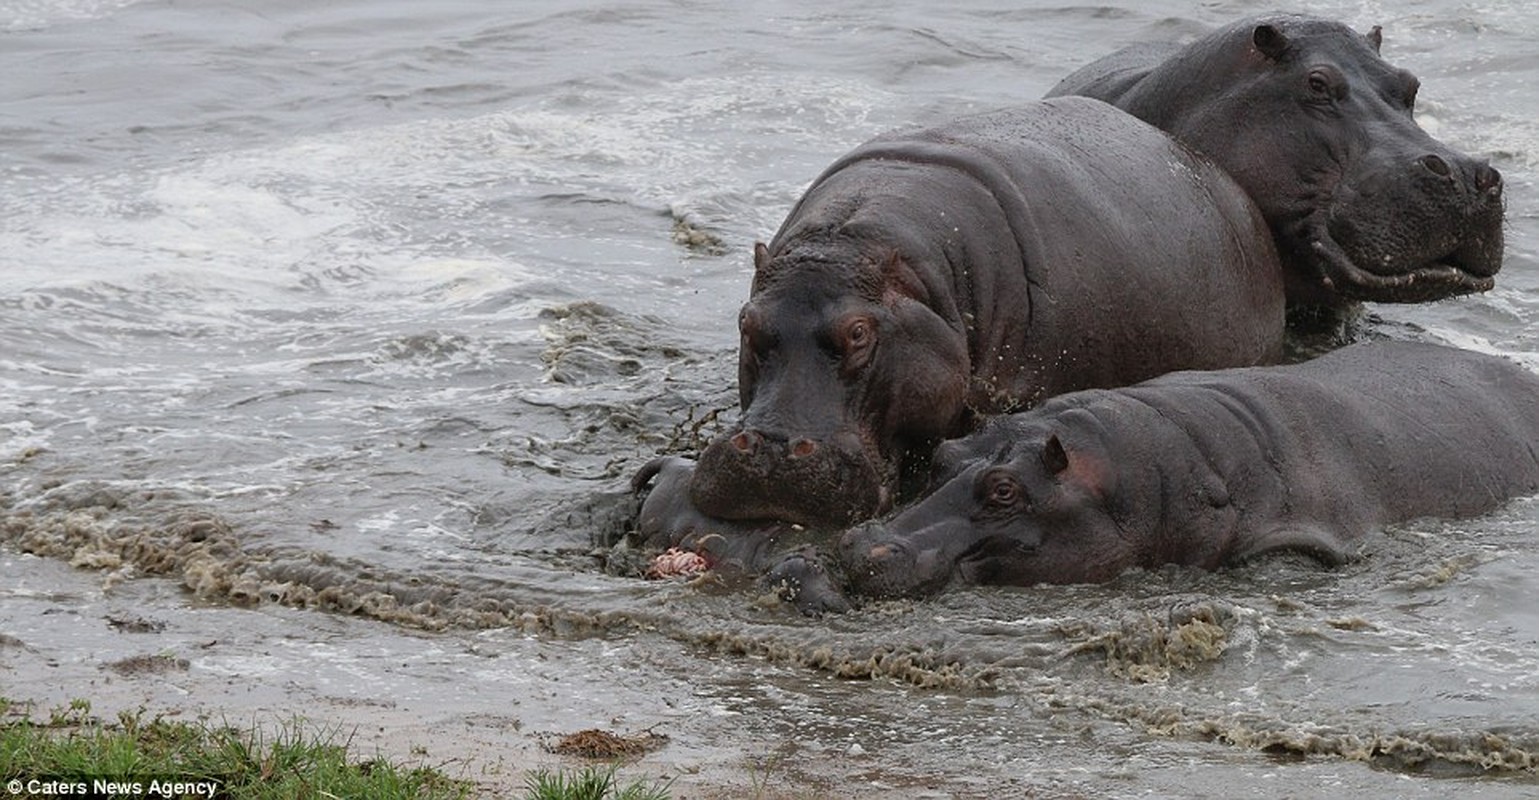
column 1318, row 129
column 978, row 267
column 1208, row 468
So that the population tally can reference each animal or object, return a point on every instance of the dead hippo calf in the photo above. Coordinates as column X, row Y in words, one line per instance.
column 667, row 521
column 1206, row 468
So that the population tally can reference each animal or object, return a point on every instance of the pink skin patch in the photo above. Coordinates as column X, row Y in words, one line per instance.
column 676, row 563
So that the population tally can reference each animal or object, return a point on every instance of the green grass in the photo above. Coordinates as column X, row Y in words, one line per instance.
column 70, row 744
column 591, row 783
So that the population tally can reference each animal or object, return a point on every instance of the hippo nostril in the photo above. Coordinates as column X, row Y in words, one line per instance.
column 882, row 552
column 801, row 448
column 1436, row 166
column 745, row 442
column 1487, row 179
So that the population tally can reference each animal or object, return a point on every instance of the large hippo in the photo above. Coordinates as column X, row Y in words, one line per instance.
column 1205, row 469
column 978, row 267
column 1304, row 114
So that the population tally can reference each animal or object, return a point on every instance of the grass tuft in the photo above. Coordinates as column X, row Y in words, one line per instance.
column 70, row 744
column 591, row 783
column 293, row 763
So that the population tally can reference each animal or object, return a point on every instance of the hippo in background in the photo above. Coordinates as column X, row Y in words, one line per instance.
column 974, row 268
column 1304, row 114
column 1208, row 468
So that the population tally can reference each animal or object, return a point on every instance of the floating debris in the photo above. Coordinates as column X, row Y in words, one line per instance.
column 594, row 743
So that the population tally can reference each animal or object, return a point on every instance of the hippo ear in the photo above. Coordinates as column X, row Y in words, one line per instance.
column 1054, row 457
column 1085, row 470
column 899, row 278
column 1270, row 41
column 760, row 256
column 761, row 266
column 1376, row 38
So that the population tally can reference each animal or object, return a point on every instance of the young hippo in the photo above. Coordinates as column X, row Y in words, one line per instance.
column 1207, row 468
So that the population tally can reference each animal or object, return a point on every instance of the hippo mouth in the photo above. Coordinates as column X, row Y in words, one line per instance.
column 1430, row 281
column 1459, row 271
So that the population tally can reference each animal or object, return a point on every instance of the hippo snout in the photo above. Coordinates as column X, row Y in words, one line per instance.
column 1415, row 225
column 1488, row 181
column 881, row 564
column 1479, row 178
column 747, row 444
column 1478, row 206
column 823, row 482
column 869, row 551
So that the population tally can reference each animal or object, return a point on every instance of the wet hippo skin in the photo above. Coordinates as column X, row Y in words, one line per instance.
column 1305, row 115
column 784, row 557
column 977, row 267
column 1207, row 468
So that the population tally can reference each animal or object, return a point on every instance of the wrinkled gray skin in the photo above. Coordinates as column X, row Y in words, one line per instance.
column 975, row 268
column 1205, row 469
column 1304, row 114
column 668, row 520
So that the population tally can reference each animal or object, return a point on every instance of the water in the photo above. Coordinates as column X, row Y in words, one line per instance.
column 330, row 335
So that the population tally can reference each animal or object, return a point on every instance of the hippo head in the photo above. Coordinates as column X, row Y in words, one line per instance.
column 1012, row 504
column 843, row 370
column 1318, row 129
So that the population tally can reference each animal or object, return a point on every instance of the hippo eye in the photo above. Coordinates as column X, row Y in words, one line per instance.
column 1001, row 490
column 1004, row 494
column 858, row 334
column 856, row 337
column 1325, row 85
column 1319, row 85
column 755, row 341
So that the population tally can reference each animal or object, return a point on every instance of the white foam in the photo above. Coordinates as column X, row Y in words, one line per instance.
column 17, row 439
column 395, row 214
column 22, row 15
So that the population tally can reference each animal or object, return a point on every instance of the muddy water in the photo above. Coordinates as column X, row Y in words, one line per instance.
column 330, row 334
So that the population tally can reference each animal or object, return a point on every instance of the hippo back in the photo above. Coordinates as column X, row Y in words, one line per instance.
column 973, row 268
column 1111, row 77
column 1078, row 246
column 1374, row 433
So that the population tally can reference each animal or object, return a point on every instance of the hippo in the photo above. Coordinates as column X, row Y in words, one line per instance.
column 1211, row 468
column 977, row 267
column 1304, row 114
column 783, row 557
